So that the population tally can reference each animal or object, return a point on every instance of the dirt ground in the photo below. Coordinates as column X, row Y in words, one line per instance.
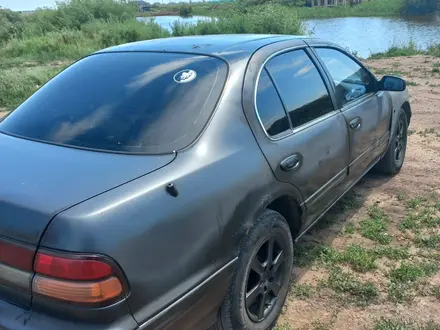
column 374, row 261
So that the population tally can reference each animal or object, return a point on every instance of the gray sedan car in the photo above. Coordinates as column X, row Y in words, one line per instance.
column 162, row 184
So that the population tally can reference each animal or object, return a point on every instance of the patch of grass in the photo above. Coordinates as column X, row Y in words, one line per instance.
column 320, row 325
column 431, row 242
column 411, row 221
column 398, row 50
column 306, row 254
column 423, row 214
column 435, row 291
column 265, row 19
column 400, row 292
column 410, row 272
column 408, row 49
column 363, row 293
column 350, row 229
column 411, row 83
column 359, row 258
column 350, row 201
column 392, row 253
column 401, row 196
column 284, row 326
column 302, row 290
column 415, row 202
column 436, row 70
column 376, row 227
column 392, row 324
column 17, row 84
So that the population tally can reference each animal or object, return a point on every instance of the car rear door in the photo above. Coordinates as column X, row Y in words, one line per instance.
column 305, row 139
column 366, row 111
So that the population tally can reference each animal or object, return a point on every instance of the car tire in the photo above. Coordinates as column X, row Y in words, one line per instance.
column 261, row 281
column 392, row 161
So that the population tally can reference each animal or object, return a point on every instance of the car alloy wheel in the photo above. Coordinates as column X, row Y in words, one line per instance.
column 400, row 142
column 265, row 278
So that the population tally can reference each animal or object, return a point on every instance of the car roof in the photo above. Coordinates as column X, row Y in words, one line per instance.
column 219, row 45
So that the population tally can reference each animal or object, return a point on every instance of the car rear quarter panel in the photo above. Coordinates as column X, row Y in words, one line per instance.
column 167, row 245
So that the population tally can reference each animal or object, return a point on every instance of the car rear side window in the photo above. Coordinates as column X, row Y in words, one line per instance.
column 301, row 87
column 269, row 106
column 133, row 102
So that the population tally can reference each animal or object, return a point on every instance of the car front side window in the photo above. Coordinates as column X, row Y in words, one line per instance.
column 351, row 80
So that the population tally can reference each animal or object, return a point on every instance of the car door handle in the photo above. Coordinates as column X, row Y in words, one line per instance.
column 291, row 163
column 355, row 123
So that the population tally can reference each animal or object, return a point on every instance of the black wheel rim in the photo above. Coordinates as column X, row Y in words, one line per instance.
column 400, row 143
column 265, row 279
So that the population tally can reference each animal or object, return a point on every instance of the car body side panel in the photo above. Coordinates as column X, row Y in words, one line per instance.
column 167, row 245
column 374, row 112
column 323, row 145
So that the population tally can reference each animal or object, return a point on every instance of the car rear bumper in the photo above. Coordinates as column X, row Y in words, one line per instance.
column 15, row 318
column 197, row 310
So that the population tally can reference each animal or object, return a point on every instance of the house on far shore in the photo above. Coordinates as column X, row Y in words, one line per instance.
column 143, row 5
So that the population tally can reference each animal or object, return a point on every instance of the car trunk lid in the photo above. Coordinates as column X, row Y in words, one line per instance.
column 39, row 180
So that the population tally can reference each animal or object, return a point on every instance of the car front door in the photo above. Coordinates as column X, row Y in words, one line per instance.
column 366, row 111
column 306, row 139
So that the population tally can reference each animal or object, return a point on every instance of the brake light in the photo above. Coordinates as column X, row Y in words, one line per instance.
column 76, row 278
column 71, row 269
column 16, row 256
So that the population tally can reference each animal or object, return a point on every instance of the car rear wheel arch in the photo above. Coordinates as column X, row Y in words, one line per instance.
column 407, row 108
column 291, row 210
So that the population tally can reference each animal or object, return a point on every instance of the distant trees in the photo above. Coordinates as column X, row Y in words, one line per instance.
column 420, row 7
column 11, row 24
column 185, row 10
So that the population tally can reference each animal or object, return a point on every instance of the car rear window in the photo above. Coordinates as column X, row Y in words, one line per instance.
column 134, row 102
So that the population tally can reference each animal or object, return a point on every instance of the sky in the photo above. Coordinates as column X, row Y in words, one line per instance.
column 26, row 4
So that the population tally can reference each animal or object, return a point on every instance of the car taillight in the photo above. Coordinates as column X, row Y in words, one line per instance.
column 76, row 279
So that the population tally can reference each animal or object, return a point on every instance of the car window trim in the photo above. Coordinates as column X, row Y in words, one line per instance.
column 335, row 48
column 324, row 79
column 358, row 101
column 275, row 85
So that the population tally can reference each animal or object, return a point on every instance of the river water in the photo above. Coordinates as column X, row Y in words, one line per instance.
column 364, row 35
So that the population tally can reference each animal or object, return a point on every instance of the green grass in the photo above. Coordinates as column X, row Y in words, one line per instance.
column 376, row 227
column 393, row 324
column 270, row 18
column 400, row 292
column 362, row 293
column 374, row 8
column 409, row 49
column 350, row 229
column 284, row 326
column 360, row 259
column 430, row 242
column 422, row 213
column 415, row 202
column 410, row 272
column 17, row 84
column 302, row 290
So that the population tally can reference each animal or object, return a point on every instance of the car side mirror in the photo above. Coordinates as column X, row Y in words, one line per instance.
column 392, row 84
